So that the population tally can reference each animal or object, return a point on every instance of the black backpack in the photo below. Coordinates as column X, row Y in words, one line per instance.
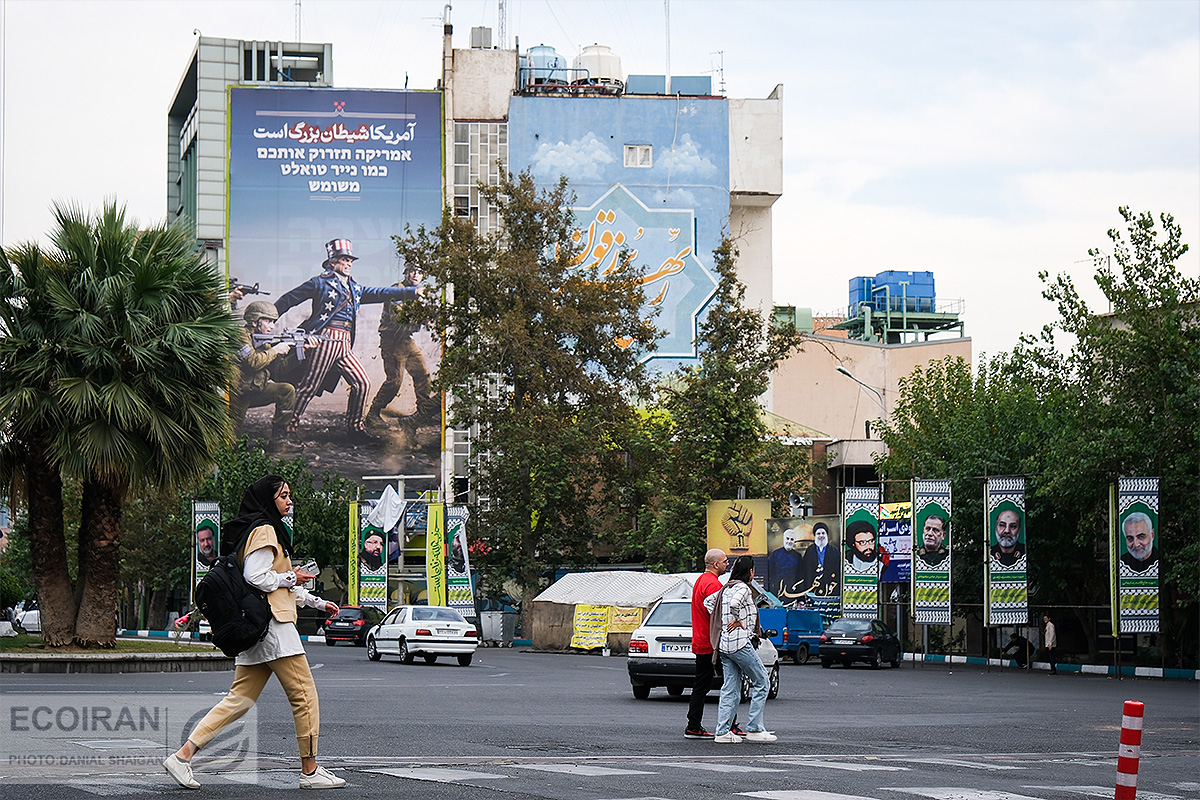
column 238, row 613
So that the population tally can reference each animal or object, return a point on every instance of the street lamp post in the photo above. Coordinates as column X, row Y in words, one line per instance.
column 872, row 390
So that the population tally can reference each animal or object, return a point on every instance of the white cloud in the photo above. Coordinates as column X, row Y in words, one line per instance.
column 582, row 157
column 685, row 159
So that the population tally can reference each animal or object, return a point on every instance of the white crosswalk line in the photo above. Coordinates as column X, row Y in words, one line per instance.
column 436, row 774
column 956, row 762
column 116, row 786
column 953, row 793
column 705, row 765
column 803, row 794
column 581, row 769
column 847, row 766
column 271, row 779
column 1107, row 792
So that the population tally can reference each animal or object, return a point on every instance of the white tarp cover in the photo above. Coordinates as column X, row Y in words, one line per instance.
column 615, row 588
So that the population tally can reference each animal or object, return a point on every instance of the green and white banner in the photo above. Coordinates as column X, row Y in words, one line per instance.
column 1134, row 556
column 366, row 548
column 860, row 578
column 458, row 566
column 206, row 539
column 1004, row 545
column 931, row 551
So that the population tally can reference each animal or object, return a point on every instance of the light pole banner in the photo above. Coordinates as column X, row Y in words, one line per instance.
column 931, row 551
column 1133, row 555
column 458, row 567
column 435, row 554
column 1004, row 546
column 206, row 539
column 860, row 579
column 366, row 547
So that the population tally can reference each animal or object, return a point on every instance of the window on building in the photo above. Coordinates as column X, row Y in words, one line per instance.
column 639, row 155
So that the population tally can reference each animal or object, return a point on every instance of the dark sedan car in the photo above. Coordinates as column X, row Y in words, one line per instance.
column 850, row 640
column 351, row 624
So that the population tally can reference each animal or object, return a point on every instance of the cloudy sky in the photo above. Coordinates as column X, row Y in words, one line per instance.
column 984, row 141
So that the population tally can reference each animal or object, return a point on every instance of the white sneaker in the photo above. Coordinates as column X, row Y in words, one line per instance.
column 727, row 738
column 760, row 736
column 181, row 771
column 321, row 779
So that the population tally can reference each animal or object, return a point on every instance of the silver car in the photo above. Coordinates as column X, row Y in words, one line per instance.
column 660, row 653
column 426, row 631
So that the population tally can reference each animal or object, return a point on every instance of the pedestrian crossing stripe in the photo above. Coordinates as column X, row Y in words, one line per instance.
column 436, row 775
column 714, row 767
column 1105, row 792
column 954, row 762
column 580, row 769
column 802, row 794
column 950, row 793
column 844, row 765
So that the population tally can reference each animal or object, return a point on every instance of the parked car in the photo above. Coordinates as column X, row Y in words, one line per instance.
column 850, row 640
column 426, row 631
column 799, row 631
column 660, row 653
column 350, row 624
column 28, row 618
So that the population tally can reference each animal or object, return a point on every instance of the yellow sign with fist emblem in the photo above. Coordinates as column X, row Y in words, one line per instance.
column 739, row 527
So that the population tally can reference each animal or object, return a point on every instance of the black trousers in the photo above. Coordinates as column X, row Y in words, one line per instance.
column 704, row 682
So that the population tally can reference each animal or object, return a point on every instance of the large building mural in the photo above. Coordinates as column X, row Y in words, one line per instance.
column 651, row 178
column 318, row 177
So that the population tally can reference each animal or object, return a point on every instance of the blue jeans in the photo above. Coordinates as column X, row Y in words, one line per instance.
column 735, row 665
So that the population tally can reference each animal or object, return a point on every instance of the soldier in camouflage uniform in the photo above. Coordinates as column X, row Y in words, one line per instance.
column 400, row 354
column 254, row 386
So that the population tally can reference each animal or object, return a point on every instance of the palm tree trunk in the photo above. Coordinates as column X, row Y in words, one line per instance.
column 48, row 547
column 99, row 563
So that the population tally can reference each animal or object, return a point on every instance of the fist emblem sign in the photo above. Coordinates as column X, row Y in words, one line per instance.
column 737, row 523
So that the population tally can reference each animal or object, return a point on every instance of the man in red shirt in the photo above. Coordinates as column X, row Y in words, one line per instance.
column 715, row 564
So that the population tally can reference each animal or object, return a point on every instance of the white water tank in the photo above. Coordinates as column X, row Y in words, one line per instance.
column 602, row 65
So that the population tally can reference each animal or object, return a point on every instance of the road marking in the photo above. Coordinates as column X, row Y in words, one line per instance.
column 730, row 768
column 436, row 775
column 580, row 769
column 115, row 786
column 1107, row 791
column 803, row 794
column 848, row 767
column 954, row 762
column 949, row 793
column 270, row 779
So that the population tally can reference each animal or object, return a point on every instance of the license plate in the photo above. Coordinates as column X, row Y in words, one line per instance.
column 446, row 632
column 676, row 648
column 844, row 641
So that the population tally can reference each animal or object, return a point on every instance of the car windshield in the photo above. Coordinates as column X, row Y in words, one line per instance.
column 851, row 626
column 436, row 615
column 671, row 615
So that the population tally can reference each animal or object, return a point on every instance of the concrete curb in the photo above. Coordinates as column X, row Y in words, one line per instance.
column 1044, row 666
column 208, row 661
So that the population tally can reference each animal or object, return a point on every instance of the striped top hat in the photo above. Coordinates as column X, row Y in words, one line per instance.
column 337, row 248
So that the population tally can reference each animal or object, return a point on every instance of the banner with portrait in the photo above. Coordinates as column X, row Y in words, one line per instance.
column 860, row 581
column 1134, row 555
column 206, row 540
column 366, row 558
column 738, row 527
column 1005, row 544
column 895, row 542
column 435, row 554
column 458, row 566
column 931, row 552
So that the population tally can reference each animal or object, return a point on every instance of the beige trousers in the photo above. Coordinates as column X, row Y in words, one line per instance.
column 297, row 681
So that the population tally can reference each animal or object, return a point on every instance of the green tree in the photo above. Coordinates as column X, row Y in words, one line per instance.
column 126, row 386
column 542, row 355
column 703, row 437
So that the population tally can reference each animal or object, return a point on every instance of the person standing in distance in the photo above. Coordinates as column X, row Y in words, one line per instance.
column 1050, row 639
column 263, row 546
column 715, row 564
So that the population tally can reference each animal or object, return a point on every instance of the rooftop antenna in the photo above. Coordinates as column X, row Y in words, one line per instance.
column 502, row 24
column 297, row 21
column 719, row 70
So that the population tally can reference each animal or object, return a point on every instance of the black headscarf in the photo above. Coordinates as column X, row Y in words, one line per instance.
column 258, row 508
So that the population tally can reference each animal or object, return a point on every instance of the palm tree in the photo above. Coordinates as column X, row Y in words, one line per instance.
column 140, row 345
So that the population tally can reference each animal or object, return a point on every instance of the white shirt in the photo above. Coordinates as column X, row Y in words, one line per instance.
column 736, row 603
column 283, row 638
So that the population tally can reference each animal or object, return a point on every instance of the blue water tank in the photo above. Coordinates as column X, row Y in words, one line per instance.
column 542, row 64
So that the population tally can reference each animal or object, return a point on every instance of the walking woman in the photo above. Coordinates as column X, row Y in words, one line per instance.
column 739, row 617
column 264, row 547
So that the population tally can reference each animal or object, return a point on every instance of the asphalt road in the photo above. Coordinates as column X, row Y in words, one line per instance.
column 518, row 725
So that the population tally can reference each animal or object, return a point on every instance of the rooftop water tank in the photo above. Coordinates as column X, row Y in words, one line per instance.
column 597, row 63
column 545, row 65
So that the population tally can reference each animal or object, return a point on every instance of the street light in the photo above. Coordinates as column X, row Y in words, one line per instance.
column 872, row 390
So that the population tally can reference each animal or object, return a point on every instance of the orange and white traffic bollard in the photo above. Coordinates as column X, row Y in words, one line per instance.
column 1130, row 750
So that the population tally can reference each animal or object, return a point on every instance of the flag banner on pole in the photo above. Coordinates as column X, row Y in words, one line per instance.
column 860, row 577
column 366, row 549
column 206, row 540
column 460, row 595
column 931, row 551
column 1005, row 553
column 435, row 554
column 1134, row 555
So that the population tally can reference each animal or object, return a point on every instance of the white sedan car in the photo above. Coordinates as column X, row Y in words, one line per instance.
column 660, row 653
column 426, row 631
